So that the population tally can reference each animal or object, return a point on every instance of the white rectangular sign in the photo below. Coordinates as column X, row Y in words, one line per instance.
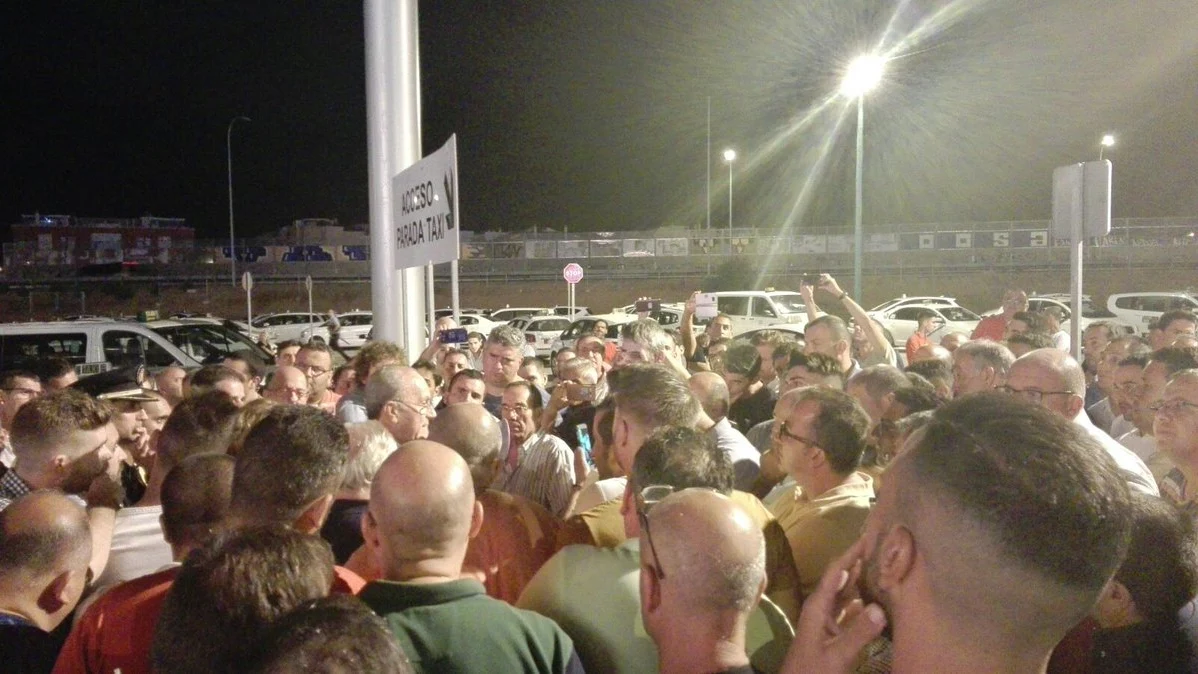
column 425, row 205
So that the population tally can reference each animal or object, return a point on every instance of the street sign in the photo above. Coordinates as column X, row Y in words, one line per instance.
column 572, row 273
column 247, row 281
column 308, row 284
column 425, row 208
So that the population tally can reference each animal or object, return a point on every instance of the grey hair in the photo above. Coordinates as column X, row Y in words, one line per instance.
column 506, row 335
column 985, row 352
column 369, row 445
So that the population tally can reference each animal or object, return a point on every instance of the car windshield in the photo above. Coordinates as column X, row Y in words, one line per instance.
column 210, row 343
column 551, row 325
column 788, row 303
column 958, row 314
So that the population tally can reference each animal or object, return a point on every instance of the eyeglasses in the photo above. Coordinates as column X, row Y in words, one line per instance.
column 786, row 433
column 425, row 408
column 1171, row 406
column 1032, row 395
column 645, row 499
column 312, row 370
column 20, row 390
column 518, row 409
column 1129, row 387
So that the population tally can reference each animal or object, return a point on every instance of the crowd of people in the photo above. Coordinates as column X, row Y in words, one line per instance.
column 673, row 500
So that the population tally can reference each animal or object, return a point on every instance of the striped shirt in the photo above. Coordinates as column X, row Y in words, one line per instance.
column 543, row 473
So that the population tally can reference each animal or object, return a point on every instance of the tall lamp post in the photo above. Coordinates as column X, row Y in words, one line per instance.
column 863, row 75
column 232, row 244
column 729, row 157
column 1108, row 140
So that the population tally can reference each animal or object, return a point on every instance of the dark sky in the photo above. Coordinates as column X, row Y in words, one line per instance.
column 592, row 114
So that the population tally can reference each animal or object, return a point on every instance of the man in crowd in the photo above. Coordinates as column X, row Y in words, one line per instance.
column 573, row 402
column 607, row 481
column 199, row 425
column 422, row 515
column 819, row 445
column 1052, row 379
column 369, row 445
column 767, row 342
column 115, row 632
column 372, row 357
column 218, row 378
column 1173, row 325
column 1147, row 394
column 453, row 362
column 56, row 373
column 712, row 393
column 399, row 398
column 1176, row 431
column 994, row 328
column 315, row 360
column 828, row 335
column 560, row 358
column 969, row 560
column 812, row 369
column 331, row 634
column 466, row 386
column 700, row 580
column 717, row 328
column 874, row 388
column 925, row 325
column 251, row 369
column 1103, row 413
column 1095, row 338
column 532, row 370
column 517, row 536
column 17, row 387
column 502, row 356
column 953, row 340
column 538, row 466
column 45, row 549
column 287, row 386
column 868, row 343
column 169, row 383
column 751, row 400
column 287, row 353
column 980, row 365
column 645, row 341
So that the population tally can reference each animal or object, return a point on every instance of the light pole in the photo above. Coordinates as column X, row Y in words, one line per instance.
column 729, row 157
column 1108, row 140
column 232, row 244
column 863, row 74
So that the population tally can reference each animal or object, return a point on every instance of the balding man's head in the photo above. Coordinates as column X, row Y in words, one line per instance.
column 712, row 392
column 706, row 564
column 288, row 386
column 1050, row 378
column 400, row 398
column 422, row 513
column 45, row 549
column 474, row 433
column 932, row 352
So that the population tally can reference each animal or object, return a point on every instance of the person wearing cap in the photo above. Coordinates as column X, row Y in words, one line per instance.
column 122, row 392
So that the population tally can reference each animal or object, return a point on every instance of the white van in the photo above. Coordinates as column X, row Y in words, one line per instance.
column 94, row 346
column 1142, row 309
column 753, row 309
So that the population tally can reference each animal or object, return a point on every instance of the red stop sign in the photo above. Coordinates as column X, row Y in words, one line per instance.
column 572, row 273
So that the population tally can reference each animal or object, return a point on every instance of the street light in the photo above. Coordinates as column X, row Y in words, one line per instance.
column 232, row 244
column 729, row 157
column 862, row 75
column 1108, row 140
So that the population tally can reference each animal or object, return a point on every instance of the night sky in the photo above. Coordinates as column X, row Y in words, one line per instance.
column 592, row 115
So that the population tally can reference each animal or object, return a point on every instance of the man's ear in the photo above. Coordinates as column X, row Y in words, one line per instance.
column 1115, row 607
column 1076, row 403
column 476, row 519
column 57, row 594
column 650, row 590
column 312, row 519
column 896, row 557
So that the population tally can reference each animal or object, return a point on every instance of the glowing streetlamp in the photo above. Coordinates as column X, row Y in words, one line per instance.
column 862, row 75
column 729, row 157
column 229, row 150
column 1108, row 140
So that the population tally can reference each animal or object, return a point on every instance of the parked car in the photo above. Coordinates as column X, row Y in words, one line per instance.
column 541, row 331
column 585, row 326
column 579, row 312
column 918, row 300
column 288, row 325
column 898, row 322
column 1143, row 309
column 478, row 323
column 1063, row 302
column 354, row 332
column 506, row 314
column 750, row 309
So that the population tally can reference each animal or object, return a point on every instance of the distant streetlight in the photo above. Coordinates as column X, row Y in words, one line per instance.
column 1108, row 140
column 232, row 240
column 863, row 74
column 729, row 157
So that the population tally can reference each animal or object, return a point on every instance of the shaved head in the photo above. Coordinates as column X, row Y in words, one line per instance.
column 40, row 533
column 712, row 392
column 474, row 433
column 422, row 511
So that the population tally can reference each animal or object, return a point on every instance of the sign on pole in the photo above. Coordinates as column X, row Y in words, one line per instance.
column 247, row 282
column 308, row 287
column 425, row 208
column 1081, row 208
column 572, row 273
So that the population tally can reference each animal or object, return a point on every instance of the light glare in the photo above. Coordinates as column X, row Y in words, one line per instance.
column 862, row 75
column 1108, row 140
column 729, row 155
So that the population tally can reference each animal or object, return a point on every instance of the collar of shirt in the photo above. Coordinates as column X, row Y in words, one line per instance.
column 857, row 484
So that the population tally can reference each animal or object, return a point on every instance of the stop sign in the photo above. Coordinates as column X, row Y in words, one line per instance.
column 572, row 273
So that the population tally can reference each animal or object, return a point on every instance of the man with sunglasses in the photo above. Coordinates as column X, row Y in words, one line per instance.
column 820, row 444
column 1055, row 381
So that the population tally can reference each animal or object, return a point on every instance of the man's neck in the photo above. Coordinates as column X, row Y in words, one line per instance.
column 153, row 495
column 940, row 648
column 18, row 608
column 427, row 571
column 703, row 648
column 820, row 482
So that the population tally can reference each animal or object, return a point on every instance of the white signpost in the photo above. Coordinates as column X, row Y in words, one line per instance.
column 1081, row 208
column 308, row 287
column 247, row 282
column 572, row 273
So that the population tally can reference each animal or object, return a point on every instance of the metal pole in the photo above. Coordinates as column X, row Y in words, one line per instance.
column 857, row 235
column 232, row 244
column 730, row 207
column 709, row 163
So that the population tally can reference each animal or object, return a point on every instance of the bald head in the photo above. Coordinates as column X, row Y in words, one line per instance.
column 422, row 512
column 393, row 382
column 712, row 547
column 41, row 533
column 933, row 352
column 712, row 393
column 288, row 386
column 1057, row 377
column 472, row 432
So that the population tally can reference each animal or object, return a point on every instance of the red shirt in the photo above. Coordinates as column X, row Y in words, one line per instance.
column 915, row 342
column 990, row 327
column 517, row 537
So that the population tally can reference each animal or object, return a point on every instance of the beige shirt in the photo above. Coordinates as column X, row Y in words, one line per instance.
column 820, row 529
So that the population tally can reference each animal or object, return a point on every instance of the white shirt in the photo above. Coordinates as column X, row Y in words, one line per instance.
column 1132, row 465
column 600, row 492
column 746, row 460
column 138, row 546
column 544, row 472
column 1145, row 447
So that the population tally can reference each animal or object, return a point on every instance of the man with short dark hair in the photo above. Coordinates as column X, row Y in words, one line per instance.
column 219, row 378
column 532, row 370
column 466, row 386
column 502, row 355
column 538, row 466
column 251, row 368
column 812, row 369
column 751, row 401
column 700, row 580
column 169, row 382
column 1103, row 413
column 332, row 634
column 820, row 445
column 45, row 548
column 712, row 392
column 400, row 398
column 1176, row 430
column 17, row 387
column 55, row 373
column 925, row 325
column 422, row 514
column 227, row 593
column 645, row 341
column 1173, row 325
column 286, row 352
column 828, row 335
column 315, row 360
column 874, row 388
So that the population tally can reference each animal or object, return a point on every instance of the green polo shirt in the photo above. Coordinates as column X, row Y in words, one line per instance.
column 455, row 627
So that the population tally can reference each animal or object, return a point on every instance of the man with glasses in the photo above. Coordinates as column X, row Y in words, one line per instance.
column 539, row 466
column 1103, row 413
column 1150, row 392
column 316, row 361
column 702, row 573
column 288, row 386
column 1053, row 380
column 400, row 398
column 17, row 387
column 820, row 444
column 1175, row 427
